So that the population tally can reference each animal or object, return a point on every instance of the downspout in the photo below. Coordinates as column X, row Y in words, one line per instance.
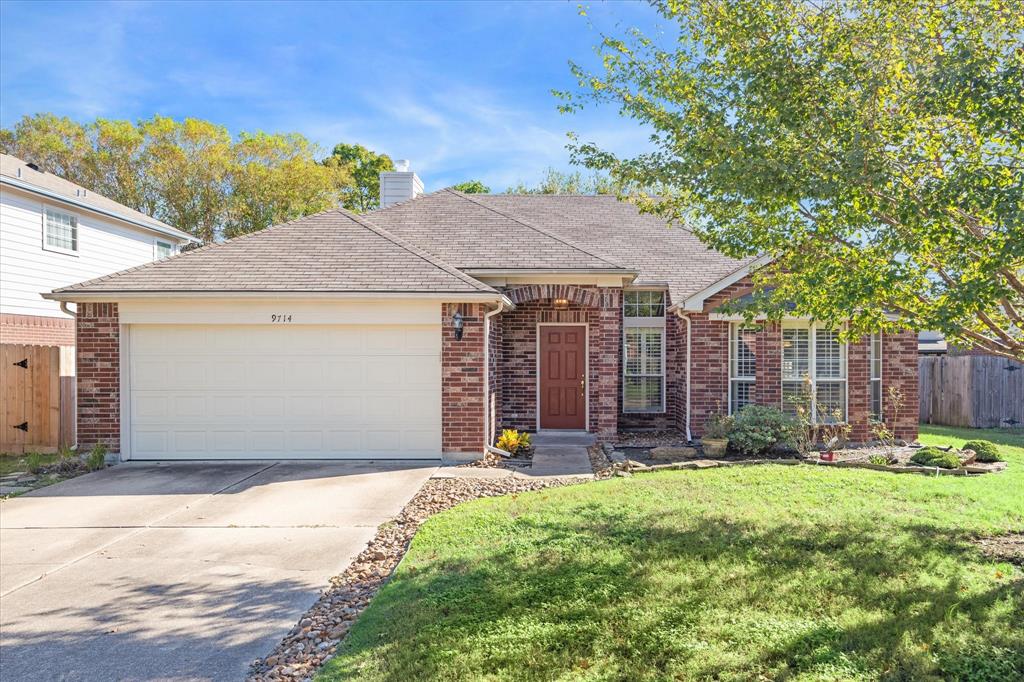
column 686, row 317
column 487, row 371
column 67, row 311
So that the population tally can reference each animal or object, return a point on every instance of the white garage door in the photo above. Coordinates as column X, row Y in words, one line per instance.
column 269, row 392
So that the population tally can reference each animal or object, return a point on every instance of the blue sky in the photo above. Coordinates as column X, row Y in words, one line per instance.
column 462, row 89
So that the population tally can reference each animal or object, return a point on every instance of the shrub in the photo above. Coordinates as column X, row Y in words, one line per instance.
column 880, row 460
column 97, row 457
column 34, row 462
column 984, row 451
column 718, row 426
column 68, row 462
column 512, row 441
column 757, row 429
column 934, row 457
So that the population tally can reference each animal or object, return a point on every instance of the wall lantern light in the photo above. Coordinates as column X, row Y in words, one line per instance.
column 561, row 304
column 457, row 325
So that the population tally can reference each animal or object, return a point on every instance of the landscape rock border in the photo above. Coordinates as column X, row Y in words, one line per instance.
column 314, row 640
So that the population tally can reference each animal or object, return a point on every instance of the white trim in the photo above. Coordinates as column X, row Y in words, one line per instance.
column 124, row 371
column 75, row 238
column 586, row 371
column 881, row 376
column 695, row 303
column 488, row 427
column 512, row 272
column 114, row 296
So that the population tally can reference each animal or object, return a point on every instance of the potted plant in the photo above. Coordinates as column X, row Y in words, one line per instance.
column 715, row 440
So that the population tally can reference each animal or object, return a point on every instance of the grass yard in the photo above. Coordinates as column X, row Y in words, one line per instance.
column 758, row 573
column 10, row 463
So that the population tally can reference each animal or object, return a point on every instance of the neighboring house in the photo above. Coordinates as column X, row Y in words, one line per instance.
column 54, row 233
column 931, row 343
column 421, row 328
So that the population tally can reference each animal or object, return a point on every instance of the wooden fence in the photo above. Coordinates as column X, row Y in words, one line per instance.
column 980, row 391
column 37, row 398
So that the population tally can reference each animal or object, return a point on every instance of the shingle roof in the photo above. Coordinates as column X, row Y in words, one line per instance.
column 81, row 196
column 472, row 234
column 334, row 251
column 455, row 227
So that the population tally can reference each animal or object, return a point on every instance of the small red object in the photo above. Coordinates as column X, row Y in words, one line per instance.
column 828, row 456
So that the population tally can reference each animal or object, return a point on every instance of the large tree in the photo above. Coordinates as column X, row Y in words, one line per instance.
column 558, row 182
column 364, row 166
column 472, row 187
column 191, row 174
column 874, row 151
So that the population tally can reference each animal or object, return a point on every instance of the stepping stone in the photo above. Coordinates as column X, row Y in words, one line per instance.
column 12, row 489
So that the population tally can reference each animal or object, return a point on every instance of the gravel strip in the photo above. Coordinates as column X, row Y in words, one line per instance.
column 314, row 639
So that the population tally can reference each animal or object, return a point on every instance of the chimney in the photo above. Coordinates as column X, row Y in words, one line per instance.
column 398, row 185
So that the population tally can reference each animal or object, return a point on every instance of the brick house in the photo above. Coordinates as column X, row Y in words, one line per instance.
column 422, row 328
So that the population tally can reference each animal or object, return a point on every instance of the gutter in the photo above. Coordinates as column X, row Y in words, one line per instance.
column 56, row 196
column 103, row 297
column 689, row 337
column 487, row 371
column 64, row 309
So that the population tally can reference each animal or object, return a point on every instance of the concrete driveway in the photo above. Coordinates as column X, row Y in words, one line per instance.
column 183, row 571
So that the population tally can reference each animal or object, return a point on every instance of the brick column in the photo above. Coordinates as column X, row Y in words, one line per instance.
column 99, row 376
column 605, row 370
column 709, row 362
column 900, row 369
column 858, row 389
column 462, row 380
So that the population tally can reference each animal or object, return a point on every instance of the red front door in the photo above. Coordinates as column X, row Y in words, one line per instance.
column 563, row 377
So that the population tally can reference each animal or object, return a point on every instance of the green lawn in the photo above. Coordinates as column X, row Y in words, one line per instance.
column 758, row 573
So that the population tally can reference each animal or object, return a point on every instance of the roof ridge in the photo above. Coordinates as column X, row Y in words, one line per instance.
column 522, row 222
column 426, row 256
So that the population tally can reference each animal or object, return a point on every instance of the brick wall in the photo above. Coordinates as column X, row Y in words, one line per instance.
column 462, row 380
column 99, row 380
column 37, row 330
column 710, row 363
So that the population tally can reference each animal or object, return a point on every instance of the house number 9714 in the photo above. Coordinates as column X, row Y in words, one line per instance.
column 281, row 318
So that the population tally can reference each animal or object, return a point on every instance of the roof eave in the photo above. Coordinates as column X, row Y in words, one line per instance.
column 695, row 302
column 501, row 272
column 57, row 196
column 108, row 296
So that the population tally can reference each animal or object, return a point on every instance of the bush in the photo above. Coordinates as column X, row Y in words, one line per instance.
column 97, row 457
column 512, row 441
column 934, row 457
column 757, row 429
column 880, row 460
column 984, row 451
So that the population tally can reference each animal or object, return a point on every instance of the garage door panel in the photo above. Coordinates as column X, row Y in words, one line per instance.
column 268, row 392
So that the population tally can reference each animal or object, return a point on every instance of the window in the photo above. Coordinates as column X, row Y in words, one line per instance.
column 643, row 384
column 644, row 304
column 163, row 250
column 814, row 361
column 742, row 366
column 876, row 377
column 60, row 231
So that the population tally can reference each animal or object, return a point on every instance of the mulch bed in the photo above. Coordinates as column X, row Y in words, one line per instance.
column 1009, row 547
column 314, row 640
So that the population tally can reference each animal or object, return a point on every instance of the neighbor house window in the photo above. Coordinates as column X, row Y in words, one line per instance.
column 164, row 249
column 814, row 360
column 643, row 385
column 742, row 366
column 876, row 377
column 60, row 231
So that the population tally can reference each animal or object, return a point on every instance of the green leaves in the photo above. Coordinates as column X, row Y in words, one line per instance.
column 191, row 174
column 364, row 166
column 876, row 150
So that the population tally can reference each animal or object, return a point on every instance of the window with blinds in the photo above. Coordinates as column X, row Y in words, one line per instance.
column 816, row 358
column 742, row 366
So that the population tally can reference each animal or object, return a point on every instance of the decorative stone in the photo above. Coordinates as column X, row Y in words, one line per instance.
column 670, row 453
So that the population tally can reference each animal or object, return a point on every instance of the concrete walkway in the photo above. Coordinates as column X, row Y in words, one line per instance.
column 556, row 454
column 183, row 571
